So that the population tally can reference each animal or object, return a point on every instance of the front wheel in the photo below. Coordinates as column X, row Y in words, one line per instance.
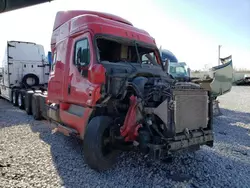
column 97, row 146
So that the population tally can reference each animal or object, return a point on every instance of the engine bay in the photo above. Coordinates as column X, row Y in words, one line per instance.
column 152, row 110
column 158, row 112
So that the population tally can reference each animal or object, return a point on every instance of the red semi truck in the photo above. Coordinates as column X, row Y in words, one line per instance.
column 108, row 87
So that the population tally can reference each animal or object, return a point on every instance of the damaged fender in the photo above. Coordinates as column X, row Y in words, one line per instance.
column 220, row 78
column 129, row 130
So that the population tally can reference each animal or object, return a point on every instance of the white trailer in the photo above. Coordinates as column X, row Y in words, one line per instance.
column 25, row 69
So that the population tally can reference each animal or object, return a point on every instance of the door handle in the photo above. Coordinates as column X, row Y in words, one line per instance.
column 69, row 89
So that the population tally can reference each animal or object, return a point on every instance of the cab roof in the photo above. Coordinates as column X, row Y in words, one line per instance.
column 71, row 22
column 64, row 16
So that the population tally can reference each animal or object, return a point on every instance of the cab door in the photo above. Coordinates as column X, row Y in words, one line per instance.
column 78, row 89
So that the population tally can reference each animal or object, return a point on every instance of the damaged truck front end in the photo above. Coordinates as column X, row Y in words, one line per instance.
column 164, row 117
column 152, row 111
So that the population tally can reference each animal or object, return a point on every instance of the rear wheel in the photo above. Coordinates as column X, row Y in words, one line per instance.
column 20, row 100
column 14, row 98
column 30, row 80
column 97, row 146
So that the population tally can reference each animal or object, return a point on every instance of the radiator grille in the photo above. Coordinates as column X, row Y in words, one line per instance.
column 191, row 109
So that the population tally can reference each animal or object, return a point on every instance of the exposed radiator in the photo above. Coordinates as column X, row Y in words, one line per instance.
column 191, row 109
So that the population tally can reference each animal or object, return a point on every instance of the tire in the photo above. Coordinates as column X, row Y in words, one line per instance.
column 20, row 99
column 14, row 97
column 30, row 76
column 28, row 101
column 35, row 106
column 93, row 149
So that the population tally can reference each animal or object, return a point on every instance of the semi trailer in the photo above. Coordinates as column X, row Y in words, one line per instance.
column 24, row 70
column 109, row 87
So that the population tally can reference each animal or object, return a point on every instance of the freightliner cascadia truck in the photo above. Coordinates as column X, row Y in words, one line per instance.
column 109, row 87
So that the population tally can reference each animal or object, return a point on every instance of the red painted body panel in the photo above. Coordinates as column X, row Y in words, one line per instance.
column 129, row 130
column 78, row 123
column 57, row 78
column 83, row 92
column 64, row 16
column 70, row 27
column 102, row 25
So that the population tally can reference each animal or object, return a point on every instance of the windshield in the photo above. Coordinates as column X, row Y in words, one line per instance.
column 122, row 51
column 178, row 70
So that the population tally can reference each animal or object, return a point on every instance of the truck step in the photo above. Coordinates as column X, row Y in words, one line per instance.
column 67, row 131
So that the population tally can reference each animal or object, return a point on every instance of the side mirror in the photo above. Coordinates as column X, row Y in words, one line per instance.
column 82, row 64
column 165, row 64
column 97, row 74
column 82, row 57
column 78, row 56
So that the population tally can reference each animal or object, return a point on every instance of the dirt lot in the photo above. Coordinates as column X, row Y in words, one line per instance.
column 32, row 156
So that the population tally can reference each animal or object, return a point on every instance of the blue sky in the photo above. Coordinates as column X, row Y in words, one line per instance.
column 191, row 29
column 221, row 20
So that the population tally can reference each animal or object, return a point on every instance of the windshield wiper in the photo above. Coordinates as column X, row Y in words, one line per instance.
column 137, row 53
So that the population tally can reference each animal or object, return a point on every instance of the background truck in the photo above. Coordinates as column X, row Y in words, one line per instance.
column 166, row 54
column 218, row 79
column 178, row 70
column 24, row 69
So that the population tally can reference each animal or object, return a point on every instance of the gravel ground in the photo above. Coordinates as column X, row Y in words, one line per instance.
column 32, row 156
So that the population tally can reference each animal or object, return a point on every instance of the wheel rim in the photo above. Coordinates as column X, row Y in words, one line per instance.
column 19, row 100
column 106, row 143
